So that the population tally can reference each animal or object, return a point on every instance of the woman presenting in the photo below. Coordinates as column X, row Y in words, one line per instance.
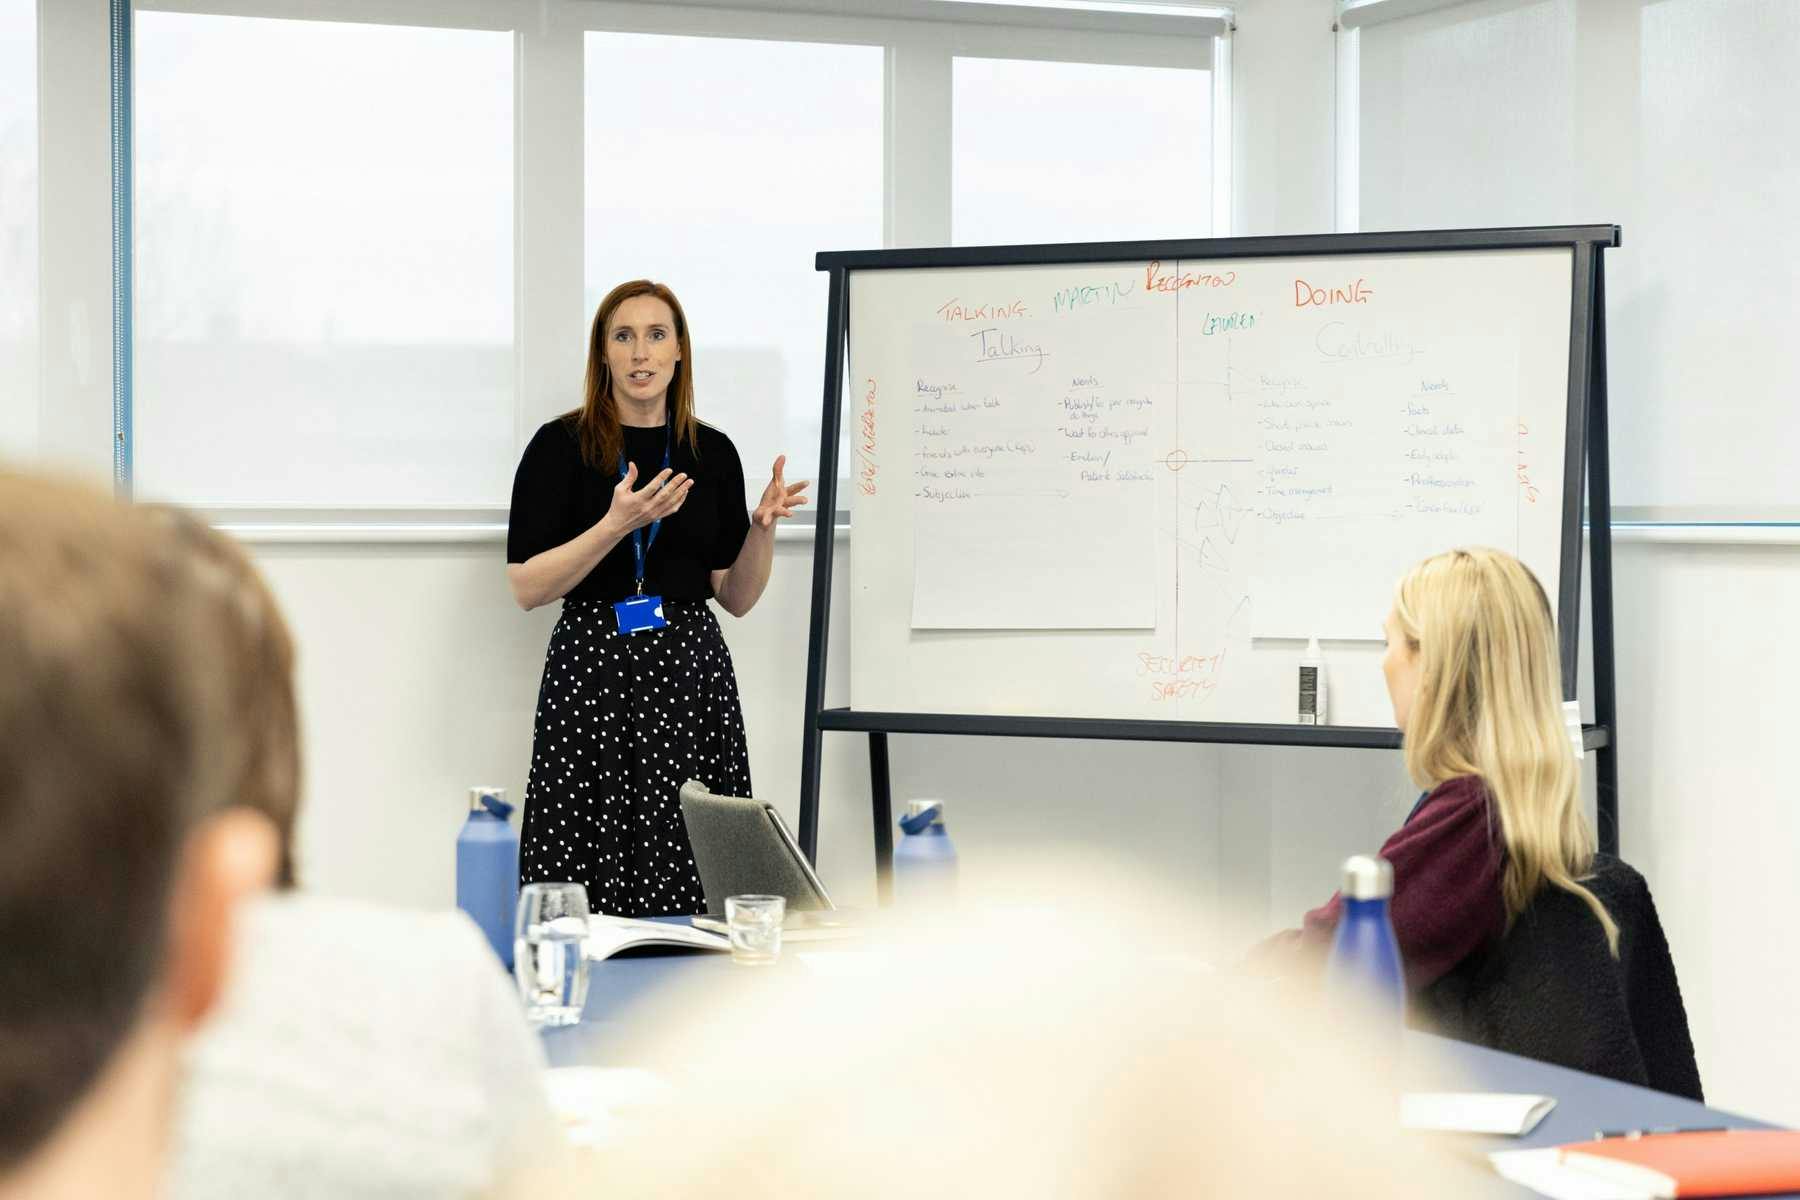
column 631, row 512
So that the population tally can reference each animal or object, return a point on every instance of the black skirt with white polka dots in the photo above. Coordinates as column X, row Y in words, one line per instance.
column 623, row 720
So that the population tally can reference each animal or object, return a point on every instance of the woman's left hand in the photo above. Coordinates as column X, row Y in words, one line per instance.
column 779, row 499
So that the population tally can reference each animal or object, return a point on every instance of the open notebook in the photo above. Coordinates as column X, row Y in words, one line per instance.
column 607, row 936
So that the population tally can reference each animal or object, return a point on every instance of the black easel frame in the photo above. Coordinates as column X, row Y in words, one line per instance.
column 1585, row 457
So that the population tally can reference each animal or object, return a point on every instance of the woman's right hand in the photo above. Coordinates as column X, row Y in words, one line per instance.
column 635, row 508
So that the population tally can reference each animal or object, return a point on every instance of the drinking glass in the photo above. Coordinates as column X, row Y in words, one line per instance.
column 550, row 951
column 754, row 923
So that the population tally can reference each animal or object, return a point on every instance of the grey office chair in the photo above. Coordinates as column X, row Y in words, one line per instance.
column 742, row 847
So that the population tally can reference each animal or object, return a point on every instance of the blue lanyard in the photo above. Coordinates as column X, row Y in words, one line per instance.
column 640, row 547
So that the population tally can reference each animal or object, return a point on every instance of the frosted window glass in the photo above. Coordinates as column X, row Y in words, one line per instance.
column 1472, row 115
column 1079, row 152
column 18, row 229
column 725, row 187
column 1467, row 118
column 325, row 263
column 1703, row 317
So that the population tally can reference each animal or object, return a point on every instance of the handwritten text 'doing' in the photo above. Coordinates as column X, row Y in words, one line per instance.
column 954, row 309
column 1158, row 280
column 1306, row 294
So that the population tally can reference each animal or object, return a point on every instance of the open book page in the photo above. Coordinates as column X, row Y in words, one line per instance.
column 609, row 935
column 1508, row 1113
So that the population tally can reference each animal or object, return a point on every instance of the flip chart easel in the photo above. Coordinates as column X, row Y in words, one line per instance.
column 1584, row 458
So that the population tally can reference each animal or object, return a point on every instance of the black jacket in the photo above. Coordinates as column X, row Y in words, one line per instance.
column 1551, row 990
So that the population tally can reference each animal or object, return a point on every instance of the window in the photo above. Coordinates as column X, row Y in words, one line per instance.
column 1466, row 118
column 325, row 263
column 724, row 187
column 18, row 229
column 1704, row 296
column 359, row 257
column 1079, row 152
column 1680, row 121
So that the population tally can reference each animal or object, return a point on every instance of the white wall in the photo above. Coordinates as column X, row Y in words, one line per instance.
column 1708, row 809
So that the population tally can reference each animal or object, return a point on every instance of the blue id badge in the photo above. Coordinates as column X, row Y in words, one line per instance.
column 638, row 613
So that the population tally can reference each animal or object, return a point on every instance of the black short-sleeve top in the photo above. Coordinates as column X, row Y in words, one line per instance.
column 556, row 497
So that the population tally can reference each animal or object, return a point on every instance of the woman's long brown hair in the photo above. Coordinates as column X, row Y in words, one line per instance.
column 597, row 420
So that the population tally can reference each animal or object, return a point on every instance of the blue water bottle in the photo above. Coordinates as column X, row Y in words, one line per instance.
column 925, row 860
column 1364, row 970
column 487, row 868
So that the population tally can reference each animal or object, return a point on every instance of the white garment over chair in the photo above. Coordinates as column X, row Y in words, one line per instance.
column 359, row 1051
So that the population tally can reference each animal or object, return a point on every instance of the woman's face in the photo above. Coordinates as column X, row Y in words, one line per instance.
column 1401, row 667
column 641, row 349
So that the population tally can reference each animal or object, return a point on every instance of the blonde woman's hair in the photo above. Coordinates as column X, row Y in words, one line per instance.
column 1489, row 704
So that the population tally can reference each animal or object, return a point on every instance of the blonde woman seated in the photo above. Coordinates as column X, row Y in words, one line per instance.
column 1472, row 672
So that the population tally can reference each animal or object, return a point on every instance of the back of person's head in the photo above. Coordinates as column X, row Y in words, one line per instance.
column 1049, row 1040
column 257, row 651
column 1489, row 703
column 144, row 695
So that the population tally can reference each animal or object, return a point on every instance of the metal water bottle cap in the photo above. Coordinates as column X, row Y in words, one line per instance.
column 1368, row 878
column 918, row 808
column 478, row 794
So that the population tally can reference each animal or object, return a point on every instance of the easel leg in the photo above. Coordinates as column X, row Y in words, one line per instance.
column 1599, row 517
column 882, row 806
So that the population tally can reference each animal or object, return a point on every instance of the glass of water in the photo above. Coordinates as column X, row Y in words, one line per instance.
column 550, row 951
column 754, row 923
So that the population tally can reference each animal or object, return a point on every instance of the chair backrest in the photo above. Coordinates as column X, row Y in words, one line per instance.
column 740, row 849
column 1551, row 989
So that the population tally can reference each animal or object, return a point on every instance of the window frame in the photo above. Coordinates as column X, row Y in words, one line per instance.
column 921, row 38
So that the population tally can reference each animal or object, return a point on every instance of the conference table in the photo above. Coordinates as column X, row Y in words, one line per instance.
column 1585, row 1104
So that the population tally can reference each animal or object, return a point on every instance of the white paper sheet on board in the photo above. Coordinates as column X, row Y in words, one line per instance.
column 1033, row 480
column 1396, row 460
column 1033, row 560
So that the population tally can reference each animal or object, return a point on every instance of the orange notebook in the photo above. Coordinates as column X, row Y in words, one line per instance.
column 1733, row 1162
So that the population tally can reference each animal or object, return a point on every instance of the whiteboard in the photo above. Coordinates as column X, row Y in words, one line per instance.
column 1133, row 490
